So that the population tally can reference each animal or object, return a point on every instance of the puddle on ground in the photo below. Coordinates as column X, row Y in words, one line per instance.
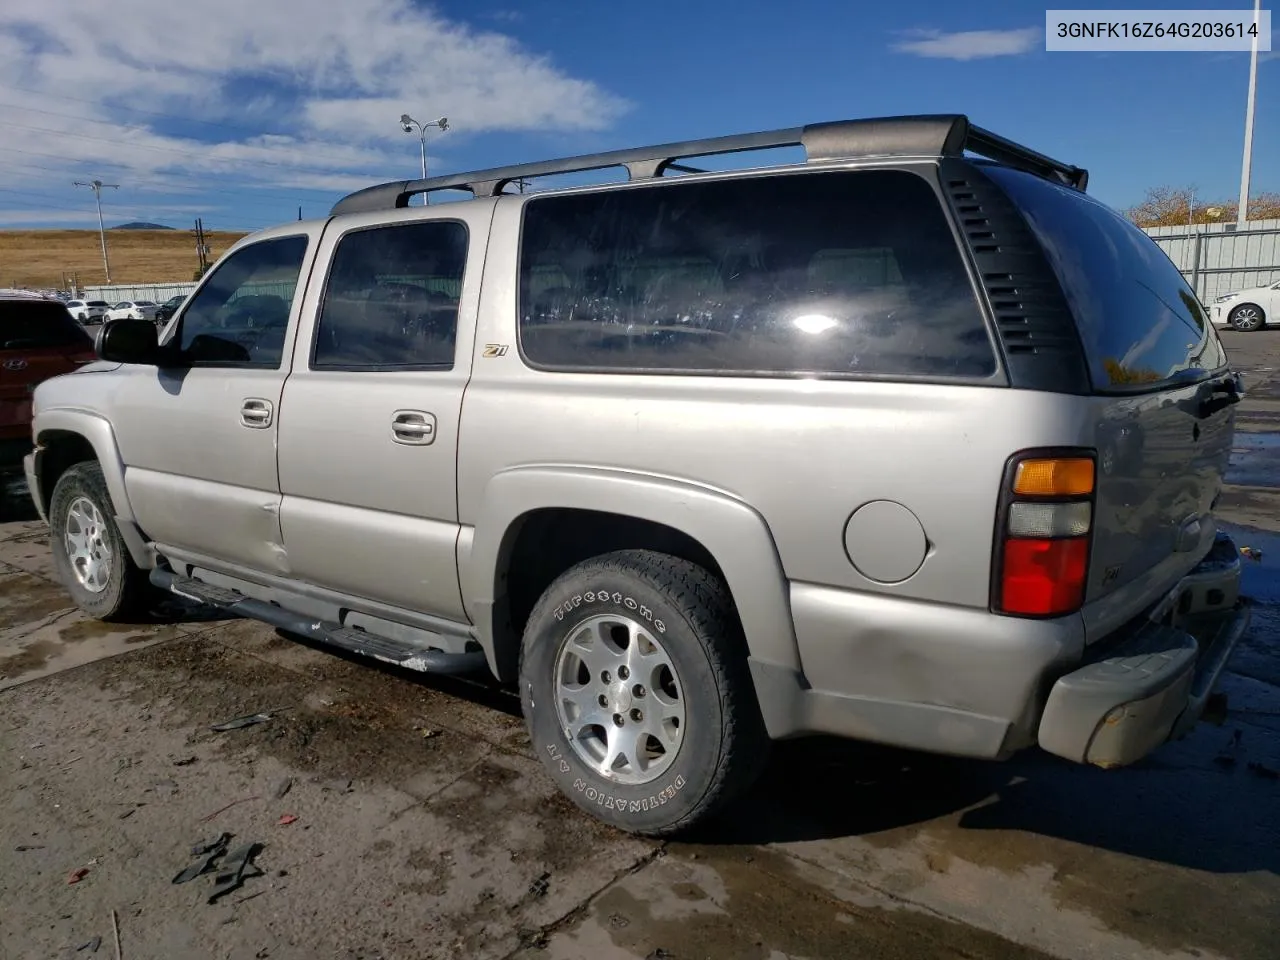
column 31, row 657
column 25, row 599
column 1255, row 460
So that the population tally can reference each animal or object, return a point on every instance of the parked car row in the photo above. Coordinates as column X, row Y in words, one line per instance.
column 99, row 311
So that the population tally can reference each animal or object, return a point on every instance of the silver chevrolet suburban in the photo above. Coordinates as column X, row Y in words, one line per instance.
column 909, row 440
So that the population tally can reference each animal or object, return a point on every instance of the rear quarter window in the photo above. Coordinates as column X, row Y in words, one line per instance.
column 850, row 273
column 1141, row 325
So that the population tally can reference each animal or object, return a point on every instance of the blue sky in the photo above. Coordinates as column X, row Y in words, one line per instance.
column 239, row 112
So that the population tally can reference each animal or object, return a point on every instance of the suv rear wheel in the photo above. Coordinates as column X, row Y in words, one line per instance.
column 89, row 554
column 1247, row 317
column 635, row 687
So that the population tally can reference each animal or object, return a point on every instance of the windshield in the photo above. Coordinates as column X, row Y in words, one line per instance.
column 39, row 323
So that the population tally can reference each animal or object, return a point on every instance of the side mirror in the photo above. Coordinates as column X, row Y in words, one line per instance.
column 128, row 341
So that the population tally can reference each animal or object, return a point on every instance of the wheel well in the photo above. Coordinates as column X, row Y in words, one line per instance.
column 543, row 544
column 1250, row 303
column 62, row 450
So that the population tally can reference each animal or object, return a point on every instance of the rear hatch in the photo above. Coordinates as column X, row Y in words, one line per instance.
column 38, row 340
column 1162, row 412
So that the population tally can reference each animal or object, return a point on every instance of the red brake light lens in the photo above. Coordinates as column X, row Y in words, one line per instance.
column 1044, row 577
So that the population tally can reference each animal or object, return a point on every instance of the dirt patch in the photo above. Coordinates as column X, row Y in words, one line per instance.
column 436, row 872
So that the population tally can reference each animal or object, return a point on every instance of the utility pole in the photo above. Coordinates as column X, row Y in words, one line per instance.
column 97, row 186
column 1242, row 212
column 202, row 249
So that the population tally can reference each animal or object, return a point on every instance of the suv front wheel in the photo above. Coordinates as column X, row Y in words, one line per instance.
column 89, row 554
column 635, row 688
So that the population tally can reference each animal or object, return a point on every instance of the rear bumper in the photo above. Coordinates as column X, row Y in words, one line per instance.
column 1151, row 684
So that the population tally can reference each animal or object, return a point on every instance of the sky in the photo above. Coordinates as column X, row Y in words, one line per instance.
column 239, row 112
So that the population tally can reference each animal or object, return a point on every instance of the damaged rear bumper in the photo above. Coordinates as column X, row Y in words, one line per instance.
column 1151, row 685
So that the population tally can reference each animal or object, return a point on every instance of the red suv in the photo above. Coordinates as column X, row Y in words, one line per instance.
column 38, row 340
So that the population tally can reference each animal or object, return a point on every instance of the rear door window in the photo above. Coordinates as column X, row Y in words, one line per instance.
column 37, row 324
column 391, row 301
column 846, row 273
column 1142, row 326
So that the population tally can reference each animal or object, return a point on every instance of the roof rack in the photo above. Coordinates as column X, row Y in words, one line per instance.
column 929, row 135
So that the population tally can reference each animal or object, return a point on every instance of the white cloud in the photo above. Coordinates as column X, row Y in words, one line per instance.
column 971, row 44
column 287, row 95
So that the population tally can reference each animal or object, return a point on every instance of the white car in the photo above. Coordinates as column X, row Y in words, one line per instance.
column 134, row 310
column 88, row 311
column 1248, row 310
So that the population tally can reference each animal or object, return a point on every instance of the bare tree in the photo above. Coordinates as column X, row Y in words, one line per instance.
column 1176, row 206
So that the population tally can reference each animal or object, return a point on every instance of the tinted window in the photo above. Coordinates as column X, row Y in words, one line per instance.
column 1140, row 322
column 31, row 324
column 241, row 314
column 850, row 273
column 392, row 298
column 99, row 303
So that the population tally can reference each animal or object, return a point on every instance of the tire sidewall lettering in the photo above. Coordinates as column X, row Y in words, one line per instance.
column 615, row 597
column 603, row 798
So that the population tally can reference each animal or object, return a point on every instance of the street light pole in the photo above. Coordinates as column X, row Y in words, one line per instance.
column 96, row 186
column 407, row 123
column 1242, row 212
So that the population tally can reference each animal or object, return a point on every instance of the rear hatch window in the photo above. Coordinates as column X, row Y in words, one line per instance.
column 1142, row 326
column 40, row 324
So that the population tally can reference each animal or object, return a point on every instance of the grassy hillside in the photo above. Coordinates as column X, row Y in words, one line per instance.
column 41, row 258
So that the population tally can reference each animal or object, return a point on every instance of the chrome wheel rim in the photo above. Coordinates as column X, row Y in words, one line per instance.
column 88, row 546
column 1246, row 318
column 619, row 699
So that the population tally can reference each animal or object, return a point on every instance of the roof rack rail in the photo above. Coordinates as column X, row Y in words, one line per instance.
column 926, row 135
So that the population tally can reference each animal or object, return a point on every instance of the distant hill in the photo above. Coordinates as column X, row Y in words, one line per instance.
column 140, row 225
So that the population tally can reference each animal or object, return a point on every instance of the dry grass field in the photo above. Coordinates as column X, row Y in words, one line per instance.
column 43, row 258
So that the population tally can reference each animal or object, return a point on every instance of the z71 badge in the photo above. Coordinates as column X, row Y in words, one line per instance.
column 494, row 350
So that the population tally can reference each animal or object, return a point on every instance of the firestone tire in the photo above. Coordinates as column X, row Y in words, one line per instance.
column 89, row 555
column 652, row 641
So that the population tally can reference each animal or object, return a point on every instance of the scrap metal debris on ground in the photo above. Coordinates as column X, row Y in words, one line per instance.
column 230, row 873
column 90, row 945
column 234, row 871
column 207, row 852
column 241, row 722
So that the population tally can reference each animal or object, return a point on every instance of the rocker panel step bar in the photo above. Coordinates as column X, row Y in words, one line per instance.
column 409, row 656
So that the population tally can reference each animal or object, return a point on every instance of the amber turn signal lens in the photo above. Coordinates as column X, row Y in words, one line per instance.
column 1063, row 477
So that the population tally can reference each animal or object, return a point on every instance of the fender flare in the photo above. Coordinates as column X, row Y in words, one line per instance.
column 97, row 431
column 733, row 532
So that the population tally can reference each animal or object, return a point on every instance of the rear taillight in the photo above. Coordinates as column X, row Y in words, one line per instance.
column 1043, row 532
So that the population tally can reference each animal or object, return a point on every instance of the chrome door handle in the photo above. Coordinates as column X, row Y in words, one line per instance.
column 414, row 427
column 256, row 413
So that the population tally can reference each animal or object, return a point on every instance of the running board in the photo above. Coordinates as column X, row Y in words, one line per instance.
column 409, row 656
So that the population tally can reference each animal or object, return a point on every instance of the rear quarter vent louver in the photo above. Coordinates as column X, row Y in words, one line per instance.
column 1033, row 322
